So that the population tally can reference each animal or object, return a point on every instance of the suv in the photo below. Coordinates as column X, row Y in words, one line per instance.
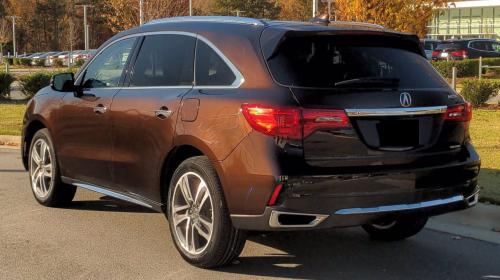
column 229, row 125
column 466, row 48
column 429, row 46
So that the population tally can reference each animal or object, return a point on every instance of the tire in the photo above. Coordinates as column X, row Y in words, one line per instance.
column 206, row 246
column 398, row 229
column 45, row 179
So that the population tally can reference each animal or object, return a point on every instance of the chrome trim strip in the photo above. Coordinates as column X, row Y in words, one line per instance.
column 396, row 111
column 239, row 79
column 400, row 207
column 274, row 222
column 221, row 19
column 111, row 193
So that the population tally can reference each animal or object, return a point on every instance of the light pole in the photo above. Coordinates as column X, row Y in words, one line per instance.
column 85, row 25
column 141, row 12
column 14, row 34
column 190, row 7
column 315, row 7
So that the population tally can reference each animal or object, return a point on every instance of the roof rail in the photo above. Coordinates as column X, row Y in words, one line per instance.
column 221, row 19
column 357, row 23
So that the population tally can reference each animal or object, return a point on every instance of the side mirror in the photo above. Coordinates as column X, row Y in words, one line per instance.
column 64, row 82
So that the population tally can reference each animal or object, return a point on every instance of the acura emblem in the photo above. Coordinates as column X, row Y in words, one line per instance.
column 405, row 99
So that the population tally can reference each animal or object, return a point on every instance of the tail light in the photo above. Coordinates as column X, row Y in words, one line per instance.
column 462, row 112
column 436, row 53
column 460, row 53
column 292, row 123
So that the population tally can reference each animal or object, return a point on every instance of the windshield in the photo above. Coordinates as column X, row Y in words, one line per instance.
column 324, row 61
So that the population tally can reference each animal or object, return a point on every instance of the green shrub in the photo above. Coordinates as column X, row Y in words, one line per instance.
column 465, row 68
column 25, row 61
column 10, row 60
column 57, row 62
column 32, row 83
column 79, row 62
column 479, row 91
column 39, row 62
column 5, row 82
column 15, row 61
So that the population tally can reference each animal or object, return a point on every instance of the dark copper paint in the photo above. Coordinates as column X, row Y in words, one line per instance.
column 131, row 150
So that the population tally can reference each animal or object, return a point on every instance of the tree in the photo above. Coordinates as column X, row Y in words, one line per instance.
column 249, row 8
column 401, row 15
column 4, row 35
column 295, row 9
column 124, row 14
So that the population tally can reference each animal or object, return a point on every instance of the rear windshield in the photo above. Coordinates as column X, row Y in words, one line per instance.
column 323, row 61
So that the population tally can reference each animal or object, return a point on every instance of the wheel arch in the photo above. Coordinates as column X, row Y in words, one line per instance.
column 186, row 146
column 29, row 132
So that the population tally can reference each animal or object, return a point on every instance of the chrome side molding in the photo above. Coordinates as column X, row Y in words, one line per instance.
column 400, row 207
column 396, row 111
column 112, row 194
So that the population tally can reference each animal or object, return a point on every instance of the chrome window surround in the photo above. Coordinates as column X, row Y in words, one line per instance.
column 396, row 111
column 239, row 80
column 400, row 207
column 220, row 19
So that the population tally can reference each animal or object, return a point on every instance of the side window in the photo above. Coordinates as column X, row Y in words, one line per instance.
column 479, row 45
column 496, row 47
column 211, row 70
column 165, row 60
column 107, row 68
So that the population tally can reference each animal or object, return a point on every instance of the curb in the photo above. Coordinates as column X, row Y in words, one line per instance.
column 10, row 140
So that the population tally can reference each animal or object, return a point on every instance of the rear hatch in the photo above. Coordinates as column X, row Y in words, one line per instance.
column 394, row 100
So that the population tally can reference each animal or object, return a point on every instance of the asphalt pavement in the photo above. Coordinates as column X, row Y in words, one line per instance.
column 101, row 238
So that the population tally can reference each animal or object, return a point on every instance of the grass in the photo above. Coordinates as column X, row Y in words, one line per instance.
column 484, row 130
column 11, row 118
column 485, row 134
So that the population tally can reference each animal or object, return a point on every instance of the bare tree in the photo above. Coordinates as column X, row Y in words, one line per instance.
column 4, row 36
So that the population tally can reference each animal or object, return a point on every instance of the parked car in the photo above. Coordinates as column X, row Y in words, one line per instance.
column 429, row 45
column 42, row 56
column 466, row 48
column 58, row 55
column 314, row 127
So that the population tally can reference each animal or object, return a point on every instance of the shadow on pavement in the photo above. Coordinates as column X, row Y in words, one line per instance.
column 108, row 204
column 350, row 254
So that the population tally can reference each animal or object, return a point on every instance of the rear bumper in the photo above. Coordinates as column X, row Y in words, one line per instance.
column 276, row 219
column 315, row 202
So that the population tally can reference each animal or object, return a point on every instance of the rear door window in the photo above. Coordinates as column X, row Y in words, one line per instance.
column 165, row 60
column 323, row 61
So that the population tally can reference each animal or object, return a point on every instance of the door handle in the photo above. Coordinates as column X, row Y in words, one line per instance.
column 100, row 109
column 163, row 113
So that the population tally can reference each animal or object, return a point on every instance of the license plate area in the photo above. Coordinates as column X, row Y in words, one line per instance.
column 398, row 133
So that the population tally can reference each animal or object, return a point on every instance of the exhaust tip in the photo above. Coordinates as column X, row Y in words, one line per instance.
column 280, row 219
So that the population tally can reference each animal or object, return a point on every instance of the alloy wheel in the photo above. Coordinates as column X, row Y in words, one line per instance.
column 192, row 213
column 41, row 169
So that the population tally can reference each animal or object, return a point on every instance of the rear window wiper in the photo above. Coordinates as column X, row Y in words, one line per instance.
column 369, row 81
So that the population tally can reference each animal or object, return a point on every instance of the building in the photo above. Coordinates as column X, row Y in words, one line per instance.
column 466, row 19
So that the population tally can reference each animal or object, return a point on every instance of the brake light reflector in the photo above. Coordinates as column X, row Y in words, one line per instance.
column 292, row 123
column 462, row 112
column 275, row 195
